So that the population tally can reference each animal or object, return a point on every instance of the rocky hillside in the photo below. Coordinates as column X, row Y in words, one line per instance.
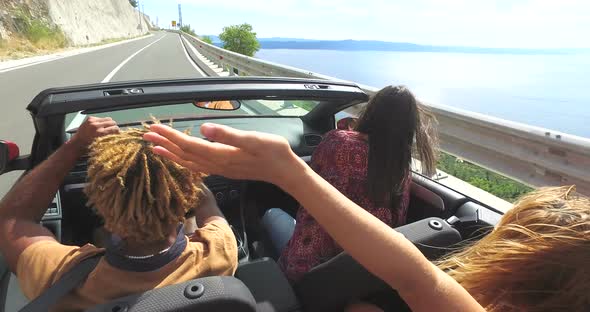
column 47, row 24
column 92, row 21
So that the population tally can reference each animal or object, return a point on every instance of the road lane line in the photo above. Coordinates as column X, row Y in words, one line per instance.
column 76, row 122
column 6, row 66
column 112, row 73
column 247, row 110
column 188, row 57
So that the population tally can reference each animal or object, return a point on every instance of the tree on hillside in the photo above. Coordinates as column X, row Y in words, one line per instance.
column 207, row 39
column 187, row 29
column 240, row 39
column 133, row 3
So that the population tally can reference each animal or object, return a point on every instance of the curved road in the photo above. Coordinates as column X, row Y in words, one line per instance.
column 156, row 57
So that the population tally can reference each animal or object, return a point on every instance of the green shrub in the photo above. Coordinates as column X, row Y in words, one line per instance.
column 240, row 39
column 44, row 36
column 187, row 29
column 207, row 39
column 484, row 179
column 41, row 34
column 306, row 105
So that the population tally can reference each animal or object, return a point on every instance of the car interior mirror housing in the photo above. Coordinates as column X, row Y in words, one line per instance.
column 224, row 105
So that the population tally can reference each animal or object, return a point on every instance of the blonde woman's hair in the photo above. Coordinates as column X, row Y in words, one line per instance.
column 138, row 193
column 537, row 258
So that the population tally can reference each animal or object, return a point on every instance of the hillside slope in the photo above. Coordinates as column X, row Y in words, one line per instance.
column 36, row 26
column 93, row 21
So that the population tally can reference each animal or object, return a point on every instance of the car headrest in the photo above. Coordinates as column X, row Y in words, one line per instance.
column 341, row 279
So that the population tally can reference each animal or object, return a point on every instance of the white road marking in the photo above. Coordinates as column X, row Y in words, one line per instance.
column 77, row 121
column 112, row 73
column 189, row 58
column 247, row 110
column 7, row 66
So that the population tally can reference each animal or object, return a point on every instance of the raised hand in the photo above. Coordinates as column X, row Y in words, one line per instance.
column 92, row 128
column 234, row 153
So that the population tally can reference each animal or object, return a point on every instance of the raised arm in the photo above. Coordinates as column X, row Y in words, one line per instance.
column 23, row 207
column 380, row 249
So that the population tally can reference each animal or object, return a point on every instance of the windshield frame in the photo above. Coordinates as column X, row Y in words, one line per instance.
column 109, row 97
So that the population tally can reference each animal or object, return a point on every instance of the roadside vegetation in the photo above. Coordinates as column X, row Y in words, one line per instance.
column 306, row 105
column 484, row 179
column 240, row 39
column 207, row 39
column 187, row 29
column 112, row 40
column 34, row 36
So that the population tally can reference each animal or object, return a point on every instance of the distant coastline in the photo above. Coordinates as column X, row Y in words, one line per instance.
column 373, row 45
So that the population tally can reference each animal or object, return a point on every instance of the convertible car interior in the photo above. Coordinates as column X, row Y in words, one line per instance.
column 300, row 110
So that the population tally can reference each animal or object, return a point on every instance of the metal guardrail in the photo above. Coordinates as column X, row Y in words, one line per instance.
column 532, row 155
column 238, row 64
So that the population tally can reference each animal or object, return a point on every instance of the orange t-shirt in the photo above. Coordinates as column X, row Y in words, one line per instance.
column 210, row 251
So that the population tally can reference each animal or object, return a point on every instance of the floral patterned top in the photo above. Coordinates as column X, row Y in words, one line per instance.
column 342, row 160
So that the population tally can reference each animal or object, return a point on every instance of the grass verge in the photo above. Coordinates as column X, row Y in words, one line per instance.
column 306, row 105
column 484, row 179
column 33, row 37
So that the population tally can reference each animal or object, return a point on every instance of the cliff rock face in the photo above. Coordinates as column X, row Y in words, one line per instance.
column 92, row 21
column 82, row 21
column 13, row 11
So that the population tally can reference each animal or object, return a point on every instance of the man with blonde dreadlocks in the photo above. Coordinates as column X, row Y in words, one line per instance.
column 143, row 199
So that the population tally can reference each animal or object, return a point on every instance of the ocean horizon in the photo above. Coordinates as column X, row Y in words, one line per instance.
column 545, row 90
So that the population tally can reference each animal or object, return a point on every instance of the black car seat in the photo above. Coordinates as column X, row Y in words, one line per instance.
column 258, row 285
column 332, row 284
column 268, row 285
column 216, row 293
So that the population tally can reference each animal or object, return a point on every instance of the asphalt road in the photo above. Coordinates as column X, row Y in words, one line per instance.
column 156, row 57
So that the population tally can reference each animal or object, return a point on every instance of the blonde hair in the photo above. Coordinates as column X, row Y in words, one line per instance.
column 536, row 259
column 138, row 193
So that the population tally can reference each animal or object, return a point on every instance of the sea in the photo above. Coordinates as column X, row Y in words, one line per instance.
column 546, row 90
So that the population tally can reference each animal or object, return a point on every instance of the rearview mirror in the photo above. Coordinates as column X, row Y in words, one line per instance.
column 9, row 152
column 348, row 123
column 226, row 105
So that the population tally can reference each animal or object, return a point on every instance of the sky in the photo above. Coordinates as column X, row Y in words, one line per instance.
column 477, row 23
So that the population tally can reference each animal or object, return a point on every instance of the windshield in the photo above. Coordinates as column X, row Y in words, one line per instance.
column 291, row 108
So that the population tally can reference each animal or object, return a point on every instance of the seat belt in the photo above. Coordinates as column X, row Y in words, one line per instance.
column 70, row 280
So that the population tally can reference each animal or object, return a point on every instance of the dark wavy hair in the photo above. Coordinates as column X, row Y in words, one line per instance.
column 393, row 121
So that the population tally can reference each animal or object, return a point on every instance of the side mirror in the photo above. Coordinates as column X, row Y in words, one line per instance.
column 348, row 123
column 9, row 153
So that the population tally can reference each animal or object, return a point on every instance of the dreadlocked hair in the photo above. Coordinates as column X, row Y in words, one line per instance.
column 138, row 193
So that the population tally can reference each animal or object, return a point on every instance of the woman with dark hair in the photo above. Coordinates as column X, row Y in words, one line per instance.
column 369, row 162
